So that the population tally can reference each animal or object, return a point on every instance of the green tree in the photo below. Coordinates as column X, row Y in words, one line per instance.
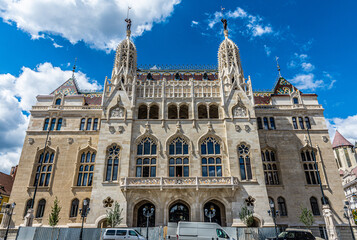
column 246, row 216
column 114, row 215
column 306, row 217
column 54, row 215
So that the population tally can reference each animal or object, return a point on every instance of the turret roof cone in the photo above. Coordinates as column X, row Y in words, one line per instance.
column 340, row 141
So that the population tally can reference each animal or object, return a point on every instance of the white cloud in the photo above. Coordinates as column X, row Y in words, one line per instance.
column 254, row 24
column 17, row 95
column 194, row 23
column 267, row 50
column 98, row 23
column 307, row 67
column 307, row 81
column 57, row 45
column 346, row 126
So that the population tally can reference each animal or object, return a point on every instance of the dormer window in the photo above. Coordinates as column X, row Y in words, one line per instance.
column 295, row 100
column 149, row 77
column 177, row 76
column 205, row 76
column 58, row 101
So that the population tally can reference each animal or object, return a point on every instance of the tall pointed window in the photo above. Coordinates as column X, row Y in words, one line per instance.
column 143, row 112
column 146, row 158
column 301, row 122
column 53, row 124
column 202, row 111
column 349, row 164
column 213, row 112
column 83, row 123
column 270, row 167
column 266, row 123
column 272, row 123
column 295, row 123
column 89, row 124
column 307, row 123
column 95, row 124
column 86, row 169
column 314, row 206
column 259, row 122
column 41, row 208
column 45, row 125
column 43, row 173
column 179, row 158
column 112, row 164
column 74, row 208
column 309, row 167
column 183, row 112
column 58, row 101
column 59, row 124
column 154, row 112
column 211, row 158
column 282, row 206
column 244, row 162
column 172, row 111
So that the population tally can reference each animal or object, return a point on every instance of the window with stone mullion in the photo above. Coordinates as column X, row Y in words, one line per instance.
column 146, row 158
column 270, row 168
column 244, row 162
column 43, row 173
column 179, row 158
column 211, row 159
column 309, row 167
column 86, row 169
column 112, row 163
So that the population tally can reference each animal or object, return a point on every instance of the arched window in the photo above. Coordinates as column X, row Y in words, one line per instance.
column 95, row 124
column 202, row 111
column 282, row 206
column 260, row 124
column 74, row 208
column 146, row 158
column 141, row 220
column 179, row 158
column 86, row 169
column 348, row 160
column 296, row 100
column 183, row 112
column 272, row 123
column 154, row 112
column 314, row 206
column 172, row 111
column 53, row 124
column 270, row 167
column 27, row 206
column 83, row 123
column 112, row 167
column 40, row 208
column 301, row 122
column 213, row 111
column 310, row 170
column 266, row 123
column 244, row 162
column 59, row 124
column 89, row 124
column 45, row 125
column 43, row 174
column 179, row 212
column 177, row 76
column 211, row 158
column 58, row 101
column 307, row 122
column 295, row 123
column 143, row 112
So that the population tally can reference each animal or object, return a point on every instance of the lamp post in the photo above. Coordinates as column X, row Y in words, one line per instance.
column 84, row 212
column 273, row 213
column 148, row 214
column 210, row 213
column 347, row 216
column 9, row 212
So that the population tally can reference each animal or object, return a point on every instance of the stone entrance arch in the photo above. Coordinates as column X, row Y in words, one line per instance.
column 220, row 212
column 139, row 218
column 179, row 211
column 102, row 223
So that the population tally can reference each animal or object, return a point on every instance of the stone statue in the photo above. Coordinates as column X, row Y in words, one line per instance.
column 128, row 25
column 117, row 112
column 239, row 111
column 224, row 21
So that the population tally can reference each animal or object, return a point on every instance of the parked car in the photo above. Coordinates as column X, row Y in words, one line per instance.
column 295, row 234
column 122, row 233
column 201, row 231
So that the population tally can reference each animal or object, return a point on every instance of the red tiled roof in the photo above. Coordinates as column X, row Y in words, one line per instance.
column 340, row 141
column 6, row 182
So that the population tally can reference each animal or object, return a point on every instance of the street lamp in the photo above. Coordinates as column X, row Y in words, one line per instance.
column 210, row 213
column 84, row 212
column 148, row 214
column 9, row 212
column 273, row 213
column 347, row 216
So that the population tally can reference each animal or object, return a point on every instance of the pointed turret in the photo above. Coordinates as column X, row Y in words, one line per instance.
column 344, row 152
column 340, row 141
column 125, row 60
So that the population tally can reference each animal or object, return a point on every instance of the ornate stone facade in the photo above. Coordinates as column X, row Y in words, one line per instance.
column 185, row 138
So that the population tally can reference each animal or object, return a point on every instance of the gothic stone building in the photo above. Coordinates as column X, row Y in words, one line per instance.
column 179, row 141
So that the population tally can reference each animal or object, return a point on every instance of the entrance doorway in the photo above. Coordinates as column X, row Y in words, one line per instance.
column 179, row 212
column 139, row 213
column 217, row 211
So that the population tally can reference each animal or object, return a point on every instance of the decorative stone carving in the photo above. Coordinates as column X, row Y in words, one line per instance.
column 239, row 111
column 31, row 141
column 108, row 202
column 90, row 141
column 112, row 129
column 117, row 112
column 70, row 140
column 120, row 129
column 178, row 127
column 325, row 139
column 238, row 128
column 49, row 141
column 250, row 201
column 247, row 128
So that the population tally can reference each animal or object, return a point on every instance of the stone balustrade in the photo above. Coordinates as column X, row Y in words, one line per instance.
column 178, row 182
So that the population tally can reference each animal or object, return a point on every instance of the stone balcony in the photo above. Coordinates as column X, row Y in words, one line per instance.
column 178, row 182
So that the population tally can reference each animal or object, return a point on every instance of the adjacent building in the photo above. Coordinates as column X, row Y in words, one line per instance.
column 180, row 140
column 6, row 182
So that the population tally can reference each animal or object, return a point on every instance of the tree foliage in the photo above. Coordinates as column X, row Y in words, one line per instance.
column 114, row 215
column 306, row 217
column 54, row 215
column 246, row 216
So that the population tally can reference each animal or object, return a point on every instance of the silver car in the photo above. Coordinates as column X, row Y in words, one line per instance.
column 122, row 233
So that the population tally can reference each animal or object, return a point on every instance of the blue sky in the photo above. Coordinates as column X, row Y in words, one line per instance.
column 315, row 42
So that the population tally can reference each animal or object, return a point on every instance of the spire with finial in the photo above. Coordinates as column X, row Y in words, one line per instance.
column 74, row 67
column 278, row 66
column 224, row 21
column 128, row 23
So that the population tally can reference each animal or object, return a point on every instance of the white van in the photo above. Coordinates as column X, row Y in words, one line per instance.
column 122, row 233
column 201, row 231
